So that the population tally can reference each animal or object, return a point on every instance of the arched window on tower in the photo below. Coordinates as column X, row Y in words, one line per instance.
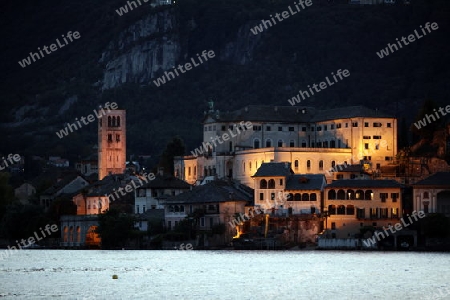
column 118, row 121
column 109, row 121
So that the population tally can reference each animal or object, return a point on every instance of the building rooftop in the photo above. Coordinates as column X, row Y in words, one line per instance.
column 214, row 192
column 364, row 183
column 166, row 182
column 439, row 179
column 305, row 182
column 294, row 114
column 274, row 169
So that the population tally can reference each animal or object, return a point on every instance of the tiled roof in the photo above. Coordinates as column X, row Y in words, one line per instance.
column 274, row 169
column 364, row 183
column 437, row 179
column 167, row 182
column 305, row 182
column 294, row 114
column 214, row 192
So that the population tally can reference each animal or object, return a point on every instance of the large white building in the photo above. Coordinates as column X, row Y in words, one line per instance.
column 312, row 140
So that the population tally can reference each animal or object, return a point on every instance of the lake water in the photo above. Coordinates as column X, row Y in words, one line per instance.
column 65, row 274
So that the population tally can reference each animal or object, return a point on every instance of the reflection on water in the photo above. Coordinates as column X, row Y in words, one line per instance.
column 65, row 274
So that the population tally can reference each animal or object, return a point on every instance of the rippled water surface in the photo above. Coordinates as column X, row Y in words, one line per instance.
column 63, row 274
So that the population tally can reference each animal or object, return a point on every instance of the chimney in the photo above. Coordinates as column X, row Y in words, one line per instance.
column 161, row 171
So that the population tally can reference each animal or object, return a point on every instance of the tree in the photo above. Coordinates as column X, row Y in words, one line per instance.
column 173, row 148
column 115, row 228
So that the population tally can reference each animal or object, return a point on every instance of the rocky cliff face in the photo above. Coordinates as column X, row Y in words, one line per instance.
column 152, row 45
column 141, row 50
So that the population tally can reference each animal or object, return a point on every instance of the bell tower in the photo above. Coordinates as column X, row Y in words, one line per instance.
column 112, row 143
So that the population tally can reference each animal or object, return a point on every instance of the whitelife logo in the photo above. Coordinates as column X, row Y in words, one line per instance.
column 422, row 123
column 90, row 118
column 284, row 15
column 323, row 85
column 411, row 38
column 188, row 66
column 398, row 226
column 206, row 145
column 23, row 243
column 27, row 61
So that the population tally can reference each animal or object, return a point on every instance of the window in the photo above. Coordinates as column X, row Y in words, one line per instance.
column 383, row 213
column 338, row 125
column 321, row 165
column 360, row 213
column 271, row 184
column 303, row 143
column 313, row 197
column 346, row 125
column 333, row 225
column 351, row 194
column 355, row 124
column 109, row 137
column 368, row 195
column 206, row 128
column 325, row 127
column 373, row 213
column 268, row 143
column 341, row 210
column 367, row 157
column 308, row 164
column 377, row 147
column 376, row 124
column 297, row 197
column 394, row 197
column 263, row 184
column 388, row 158
column 280, row 143
column 332, row 209
column 296, row 163
column 319, row 128
column 291, row 128
column 394, row 212
column 366, row 145
column 256, row 144
column 268, row 128
column 202, row 222
column 137, row 209
column 305, row 197
column 280, row 128
column 366, row 124
column 303, row 128
column 350, row 210
column 388, row 125
column 117, row 137
column 291, row 143
column 359, row 195
column 224, row 128
column 272, row 196
column 366, row 137
column 311, row 128
column 377, row 137
column 331, row 195
column 209, row 128
column 426, row 195
column 230, row 127
column 257, row 128
column 339, row 176
column 281, row 181
column 331, row 126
